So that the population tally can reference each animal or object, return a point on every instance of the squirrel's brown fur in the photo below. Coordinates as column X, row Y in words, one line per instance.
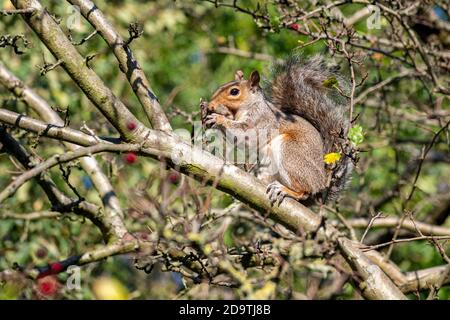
column 306, row 116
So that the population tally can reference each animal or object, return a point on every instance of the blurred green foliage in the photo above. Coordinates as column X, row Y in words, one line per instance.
column 178, row 52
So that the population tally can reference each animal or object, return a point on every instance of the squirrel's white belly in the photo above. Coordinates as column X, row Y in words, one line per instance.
column 276, row 156
column 270, row 166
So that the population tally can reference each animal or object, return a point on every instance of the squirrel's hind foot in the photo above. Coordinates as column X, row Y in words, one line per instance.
column 277, row 192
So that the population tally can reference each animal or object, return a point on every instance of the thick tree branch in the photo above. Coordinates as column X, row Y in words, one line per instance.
column 424, row 279
column 48, row 30
column 128, row 63
column 59, row 200
column 375, row 283
column 390, row 268
column 45, row 129
column 205, row 167
column 110, row 201
column 198, row 163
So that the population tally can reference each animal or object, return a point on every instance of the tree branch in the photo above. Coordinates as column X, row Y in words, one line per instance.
column 89, row 82
column 375, row 283
column 392, row 222
column 30, row 216
column 46, row 129
column 198, row 163
column 113, row 211
column 59, row 200
column 66, row 157
column 424, row 279
column 128, row 63
column 206, row 167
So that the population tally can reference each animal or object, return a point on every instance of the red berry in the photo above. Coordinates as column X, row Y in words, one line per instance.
column 48, row 286
column 294, row 26
column 56, row 267
column 131, row 125
column 174, row 177
column 130, row 157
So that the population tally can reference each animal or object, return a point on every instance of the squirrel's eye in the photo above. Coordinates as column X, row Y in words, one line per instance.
column 234, row 92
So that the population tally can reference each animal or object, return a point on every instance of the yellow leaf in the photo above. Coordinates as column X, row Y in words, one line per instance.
column 331, row 158
column 208, row 248
column 167, row 233
column 195, row 237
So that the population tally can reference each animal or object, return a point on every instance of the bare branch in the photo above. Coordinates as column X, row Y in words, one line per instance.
column 394, row 241
column 30, row 216
column 392, row 222
column 57, row 159
column 19, row 11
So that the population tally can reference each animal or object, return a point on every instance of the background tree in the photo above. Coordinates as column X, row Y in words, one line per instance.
column 94, row 174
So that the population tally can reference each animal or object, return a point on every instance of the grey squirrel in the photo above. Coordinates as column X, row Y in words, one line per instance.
column 303, row 105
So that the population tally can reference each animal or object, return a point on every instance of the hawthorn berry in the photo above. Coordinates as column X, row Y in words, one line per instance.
column 294, row 26
column 131, row 125
column 174, row 177
column 130, row 157
column 56, row 267
column 47, row 286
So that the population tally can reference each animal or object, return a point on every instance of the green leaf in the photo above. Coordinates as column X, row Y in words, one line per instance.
column 275, row 18
column 228, row 237
column 356, row 134
column 330, row 82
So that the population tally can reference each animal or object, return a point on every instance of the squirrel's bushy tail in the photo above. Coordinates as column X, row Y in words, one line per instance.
column 309, row 89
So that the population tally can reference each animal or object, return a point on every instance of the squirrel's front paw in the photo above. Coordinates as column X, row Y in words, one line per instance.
column 214, row 120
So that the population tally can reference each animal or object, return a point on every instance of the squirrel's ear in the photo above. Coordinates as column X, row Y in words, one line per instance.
column 239, row 75
column 254, row 79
